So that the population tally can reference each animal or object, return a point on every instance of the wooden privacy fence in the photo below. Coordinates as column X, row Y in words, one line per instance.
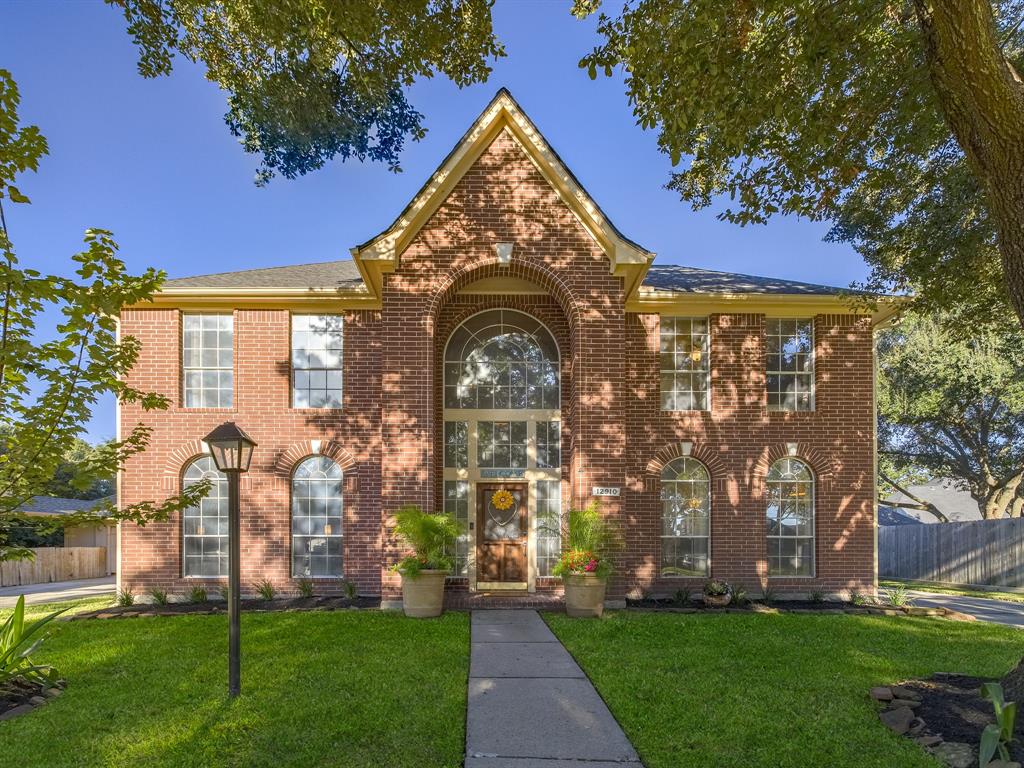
column 983, row 552
column 55, row 564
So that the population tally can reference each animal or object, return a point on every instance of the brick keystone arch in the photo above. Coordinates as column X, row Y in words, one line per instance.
column 823, row 467
column 289, row 458
column 702, row 452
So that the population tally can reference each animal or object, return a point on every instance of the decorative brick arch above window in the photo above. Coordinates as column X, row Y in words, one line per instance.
column 702, row 452
column 179, row 459
column 823, row 467
column 291, row 456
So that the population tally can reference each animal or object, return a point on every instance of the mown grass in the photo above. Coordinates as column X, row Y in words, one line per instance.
column 990, row 594
column 70, row 607
column 750, row 690
column 344, row 688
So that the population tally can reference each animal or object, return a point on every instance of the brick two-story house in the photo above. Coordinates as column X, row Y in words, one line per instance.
column 502, row 333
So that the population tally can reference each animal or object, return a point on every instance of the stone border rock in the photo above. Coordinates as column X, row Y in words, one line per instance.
column 34, row 702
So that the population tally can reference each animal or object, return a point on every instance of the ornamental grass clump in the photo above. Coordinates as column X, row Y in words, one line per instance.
column 18, row 640
column 590, row 543
column 431, row 537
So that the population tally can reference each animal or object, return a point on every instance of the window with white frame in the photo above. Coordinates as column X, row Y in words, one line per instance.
column 501, row 444
column 316, row 519
column 549, row 453
column 317, row 361
column 456, row 504
column 790, row 518
column 456, row 444
column 208, row 360
column 789, row 346
column 205, row 527
column 549, row 525
column 685, row 364
column 685, row 518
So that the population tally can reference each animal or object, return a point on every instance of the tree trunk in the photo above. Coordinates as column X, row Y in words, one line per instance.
column 1013, row 684
column 982, row 98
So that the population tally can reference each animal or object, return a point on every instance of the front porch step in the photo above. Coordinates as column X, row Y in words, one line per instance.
column 465, row 601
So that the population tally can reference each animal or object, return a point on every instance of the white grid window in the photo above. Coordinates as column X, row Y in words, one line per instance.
column 549, row 525
column 208, row 360
column 790, row 518
column 205, row 527
column 317, row 361
column 685, row 369
column 456, row 504
column 549, row 453
column 456, row 444
column 789, row 344
column 316, row 519
column 685, row 518
column 501, row 444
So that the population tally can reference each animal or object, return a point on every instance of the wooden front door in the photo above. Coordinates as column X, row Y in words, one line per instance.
column 501, row 533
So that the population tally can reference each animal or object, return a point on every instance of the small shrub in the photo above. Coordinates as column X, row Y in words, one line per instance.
column 350, row 590
column 739, row 595
column 197, row 594
column 265, row 589
column 997, row 736
column 305, row 587
column 225, row 592
column 898, row 596
column 716, row 587
column 125, row 597
column 817, row 596
column 16, row 643
column 682, row 596
column 856, row 598
column 769, row 595
column 159, row 597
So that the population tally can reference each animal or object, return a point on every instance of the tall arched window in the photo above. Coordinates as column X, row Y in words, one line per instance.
column 790, row 517
column 501, row 359
column 685, row 518
column 205, row 528
column 316, row 519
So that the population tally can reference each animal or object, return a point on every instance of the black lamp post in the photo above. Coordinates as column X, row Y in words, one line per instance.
column 231, row 450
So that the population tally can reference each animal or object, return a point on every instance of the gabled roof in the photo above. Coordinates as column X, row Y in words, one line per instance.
column 321, row 276
column 56, row 505
column 672, row 277
column 381, row 253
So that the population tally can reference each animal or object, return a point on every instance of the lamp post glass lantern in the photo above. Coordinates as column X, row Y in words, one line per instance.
column 231, row 450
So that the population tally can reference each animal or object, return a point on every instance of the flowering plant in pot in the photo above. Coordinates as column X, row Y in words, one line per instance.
column 585, row 564
column 717, row 593
column 431, row 538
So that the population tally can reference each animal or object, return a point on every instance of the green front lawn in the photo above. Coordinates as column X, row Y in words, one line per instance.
column 749, row 690
column 989, row 594
column 344, row 688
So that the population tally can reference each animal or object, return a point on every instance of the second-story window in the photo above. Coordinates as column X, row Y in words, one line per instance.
column 684, row 364
column 789, row 364
column 208, row 359
column 316, row 361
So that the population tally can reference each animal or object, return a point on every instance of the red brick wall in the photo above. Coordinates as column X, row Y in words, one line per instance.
column 388, row 434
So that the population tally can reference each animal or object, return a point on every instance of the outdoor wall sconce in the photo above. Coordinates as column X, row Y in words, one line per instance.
column 504, row 251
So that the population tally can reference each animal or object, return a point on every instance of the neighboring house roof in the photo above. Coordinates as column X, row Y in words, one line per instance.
column 345, row 274
column 954, row 502
column 55, row 505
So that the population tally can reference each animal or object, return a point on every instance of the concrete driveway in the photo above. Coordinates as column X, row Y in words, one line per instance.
column 57, row 591
column 983, row 609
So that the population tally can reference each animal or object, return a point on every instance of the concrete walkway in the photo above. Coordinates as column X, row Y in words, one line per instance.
column 57, row 591
column 981, row 608
column 530, row 705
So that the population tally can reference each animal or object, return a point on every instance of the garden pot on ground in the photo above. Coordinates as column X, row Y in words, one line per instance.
column 717, row 601
column 584, row 595
column 423, row 594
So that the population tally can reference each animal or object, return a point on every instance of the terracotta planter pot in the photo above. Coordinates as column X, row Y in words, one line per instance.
column 584, row 595
column 717, row 601
column 423, row 594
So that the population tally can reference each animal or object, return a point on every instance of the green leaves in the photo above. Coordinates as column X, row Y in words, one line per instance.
column 18, row 641
column 997, row 736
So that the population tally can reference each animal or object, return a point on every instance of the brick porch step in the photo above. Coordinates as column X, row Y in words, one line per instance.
column 465, row 601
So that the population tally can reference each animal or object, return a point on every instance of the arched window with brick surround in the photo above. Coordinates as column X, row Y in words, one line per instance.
column 790, row 518
column 317, row 502
column 685, row 518
column 205, row 527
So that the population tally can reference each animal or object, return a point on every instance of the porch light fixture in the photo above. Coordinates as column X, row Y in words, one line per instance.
column 686, row 447
column 791, row 449
column 504, row 251
column 231, row 450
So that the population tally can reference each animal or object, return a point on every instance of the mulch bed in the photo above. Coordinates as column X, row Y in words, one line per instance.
column 671, row 605
column 279, row 604
column 18, row 697
column 952, row 707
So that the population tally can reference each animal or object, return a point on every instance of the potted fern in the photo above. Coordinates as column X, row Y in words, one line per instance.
column 431, row 538
column 585, row 564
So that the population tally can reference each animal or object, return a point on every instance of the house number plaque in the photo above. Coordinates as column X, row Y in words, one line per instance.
column 605, row 490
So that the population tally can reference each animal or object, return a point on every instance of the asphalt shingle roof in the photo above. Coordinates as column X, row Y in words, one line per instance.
column 55, row 505
column 345, row 274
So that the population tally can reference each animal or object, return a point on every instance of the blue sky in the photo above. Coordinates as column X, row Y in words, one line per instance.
column 152, row 160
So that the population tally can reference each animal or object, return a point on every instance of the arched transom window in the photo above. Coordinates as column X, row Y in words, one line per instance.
column 685, row 518
column 316, row 519
column 205, row 527
column 790, row 517
column 501, row 359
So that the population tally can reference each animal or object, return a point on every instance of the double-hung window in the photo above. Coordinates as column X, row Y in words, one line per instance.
column 789, row 364
column 208, row 360
column 685, row 369
column 316, row 361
